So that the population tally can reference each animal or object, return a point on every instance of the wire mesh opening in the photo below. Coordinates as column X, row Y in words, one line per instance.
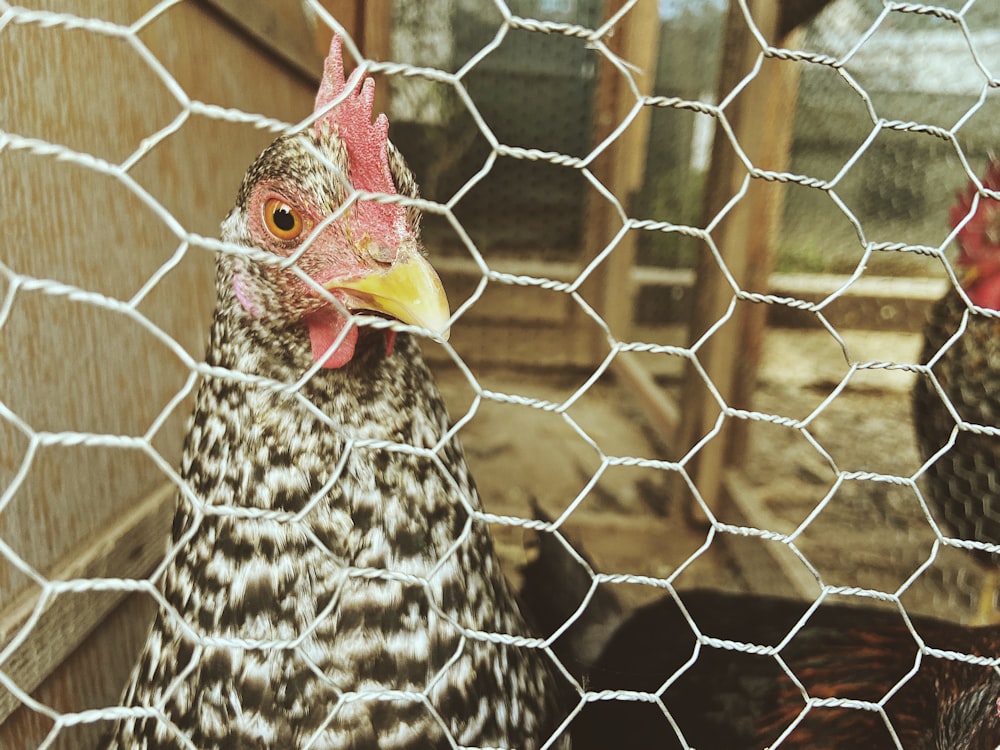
column 521, row 122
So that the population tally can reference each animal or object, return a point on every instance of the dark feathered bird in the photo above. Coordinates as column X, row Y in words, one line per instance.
column 964, row 483
column 714, row 696
column 739, row 701
column 330, row 583
column 555, row 586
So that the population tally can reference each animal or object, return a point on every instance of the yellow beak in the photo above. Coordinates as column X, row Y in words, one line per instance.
column 409, row 290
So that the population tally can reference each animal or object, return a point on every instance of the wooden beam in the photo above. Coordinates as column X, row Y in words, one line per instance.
column 620, row 168
column 662, row 412
column 768, row 567
column 871, row 303
column 279, row 26
column 76, row 516
column 761, row 117
column 375, row 18
column 765, row 204
column 375, row 29
column 530, row 323
column 92, row 676
column 129, row 549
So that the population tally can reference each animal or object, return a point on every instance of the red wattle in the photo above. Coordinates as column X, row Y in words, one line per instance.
column 325, row 327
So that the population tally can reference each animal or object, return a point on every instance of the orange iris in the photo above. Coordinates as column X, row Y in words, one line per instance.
column 282, row 220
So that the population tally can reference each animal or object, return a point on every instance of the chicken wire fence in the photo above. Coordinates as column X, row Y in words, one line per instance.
column 69, row 441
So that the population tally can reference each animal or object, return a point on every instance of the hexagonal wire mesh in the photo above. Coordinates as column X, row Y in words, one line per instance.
column 494, row 105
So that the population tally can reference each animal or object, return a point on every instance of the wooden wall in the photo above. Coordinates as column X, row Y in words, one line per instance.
column 84, row 510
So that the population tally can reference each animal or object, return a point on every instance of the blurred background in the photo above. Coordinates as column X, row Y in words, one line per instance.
column 595, row 219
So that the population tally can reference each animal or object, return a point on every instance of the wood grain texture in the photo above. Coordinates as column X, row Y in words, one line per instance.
column 620, row 168
column 48, row 627
column 67, row 365
column 90, row 678
column 284, row 27
column 744, row 237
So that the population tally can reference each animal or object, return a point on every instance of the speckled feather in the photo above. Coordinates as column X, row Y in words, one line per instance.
column 964, row 483
column 281, row 631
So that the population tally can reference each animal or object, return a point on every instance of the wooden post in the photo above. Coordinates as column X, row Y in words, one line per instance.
column 766, row 203
column 620, row 168
column 762, row 118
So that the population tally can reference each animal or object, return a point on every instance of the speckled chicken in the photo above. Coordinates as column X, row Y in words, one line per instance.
column 964, row 483
column 330, row 583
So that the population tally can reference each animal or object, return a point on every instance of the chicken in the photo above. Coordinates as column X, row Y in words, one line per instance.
column 721, row 698
column 964, row 483
column 738, row 701
column 331, row 582
column 554, row 586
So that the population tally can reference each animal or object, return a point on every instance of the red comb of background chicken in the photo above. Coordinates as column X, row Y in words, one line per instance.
column 984, row 227
column 367, row 145
column 979, row 239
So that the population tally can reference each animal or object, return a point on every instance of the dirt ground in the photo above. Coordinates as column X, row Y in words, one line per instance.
column 870, row 532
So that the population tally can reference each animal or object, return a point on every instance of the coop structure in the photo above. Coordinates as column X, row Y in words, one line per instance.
column 540, row 213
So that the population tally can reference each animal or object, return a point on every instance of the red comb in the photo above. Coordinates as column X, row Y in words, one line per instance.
column 991, row 181
column 978, row 239
column 366, row 142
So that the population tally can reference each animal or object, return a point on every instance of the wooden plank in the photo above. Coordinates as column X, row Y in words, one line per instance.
column 664, row 296
column 872, row 303
column 279, row 26
column 765, row 204
column 753, row 121
column 91, row 677
column 375, row 28
column 525, row 326
column 130, row 547
column 68, row 365
column 660, row 410
column 502, row 302
column 511, row 345
column 620, row 169
column 768, row 567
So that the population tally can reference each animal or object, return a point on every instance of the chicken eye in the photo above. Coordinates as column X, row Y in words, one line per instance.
column 282, row 220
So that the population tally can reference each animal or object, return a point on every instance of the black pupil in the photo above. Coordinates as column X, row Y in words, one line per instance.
column 283, row 219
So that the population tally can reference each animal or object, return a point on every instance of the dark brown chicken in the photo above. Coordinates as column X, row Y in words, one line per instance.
column 332, row 584
column 963, row 484
column 734, row 700
column 684, row 683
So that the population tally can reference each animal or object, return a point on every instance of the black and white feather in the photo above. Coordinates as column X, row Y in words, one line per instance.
column 332, row 584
